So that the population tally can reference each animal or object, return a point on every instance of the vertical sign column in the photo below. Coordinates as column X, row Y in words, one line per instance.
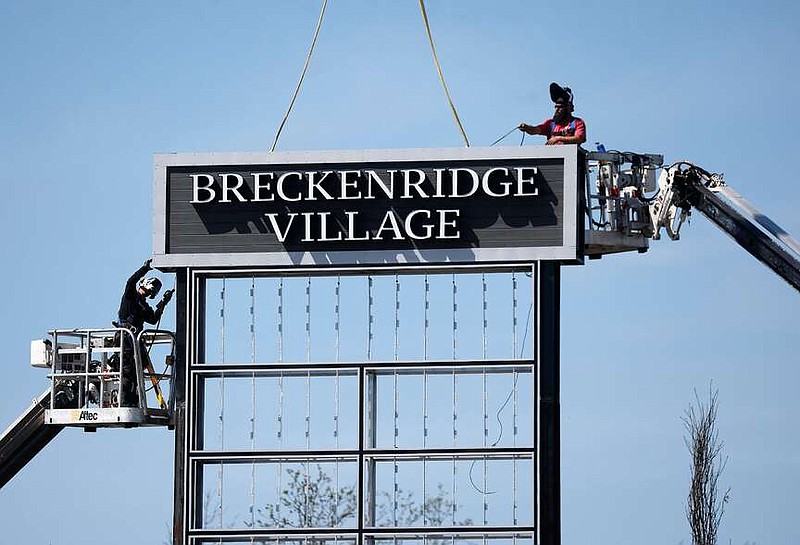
column 548, row 440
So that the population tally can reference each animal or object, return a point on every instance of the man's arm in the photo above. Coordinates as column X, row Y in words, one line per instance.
column 528, row 129
column 155, row 315
column 138, row 275
column 540, row 129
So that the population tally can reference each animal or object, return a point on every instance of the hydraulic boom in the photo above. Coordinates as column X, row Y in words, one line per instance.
column 622, row 217
column 25, row 438
column 684, row 186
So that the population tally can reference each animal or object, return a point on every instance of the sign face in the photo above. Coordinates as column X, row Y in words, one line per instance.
column 368, row 208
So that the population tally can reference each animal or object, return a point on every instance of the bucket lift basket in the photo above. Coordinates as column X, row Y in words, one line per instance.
column 91, row 367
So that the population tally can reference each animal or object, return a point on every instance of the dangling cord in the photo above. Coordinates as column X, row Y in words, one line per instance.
column 253, row 400
column 504, row 137
column 221, row 470
column 302, row 76
column 439, row 70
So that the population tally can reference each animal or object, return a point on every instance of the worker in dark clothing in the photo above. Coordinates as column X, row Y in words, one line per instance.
column 134, row 311
column 563, row 127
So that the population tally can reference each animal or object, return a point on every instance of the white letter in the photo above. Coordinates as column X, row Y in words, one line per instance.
column 258, row 186
column 521, row 180
column 276, row 229
column 438, row 183
column 451, row 223
column 323, row 230
column 475, row 182
column 282, row 193
column 506, row 185
column 307, row 237
column 394, row 227
column 346, row 184
column 351, row 227
column 428, row 228
column 196, row 188
column 312, row 185
column 226, row 189
column 388, row 190
column 416, row 185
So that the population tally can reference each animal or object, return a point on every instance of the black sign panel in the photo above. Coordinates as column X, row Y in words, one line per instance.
column 367, row 208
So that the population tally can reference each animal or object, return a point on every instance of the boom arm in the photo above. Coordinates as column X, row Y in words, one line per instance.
column 25, row 438
column 684, row 186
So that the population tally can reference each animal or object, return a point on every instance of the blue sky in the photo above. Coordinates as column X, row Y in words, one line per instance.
column 91, row 90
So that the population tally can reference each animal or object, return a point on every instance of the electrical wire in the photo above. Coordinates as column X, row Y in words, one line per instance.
column 499, row 435
column 166, row 365
column 302, row 75
column 158, row 379
column 527, row 325
column 439, row 70
column 503, row 406
column 504, row 136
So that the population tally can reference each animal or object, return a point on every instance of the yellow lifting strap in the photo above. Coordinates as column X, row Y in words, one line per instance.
column 148, row 366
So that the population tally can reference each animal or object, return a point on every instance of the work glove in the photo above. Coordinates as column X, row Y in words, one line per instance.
column 164, row 300
column 147, row 263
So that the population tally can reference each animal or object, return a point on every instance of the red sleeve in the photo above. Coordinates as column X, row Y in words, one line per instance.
column 545, row 127
column 580, row 129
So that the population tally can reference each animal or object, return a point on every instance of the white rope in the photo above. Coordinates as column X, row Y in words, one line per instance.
column 336, row 409
column 396, row 487
column 441, row 74
column 253, row 320
column 484, row 307
column 280, row 320
column 455, row 318
column 279, row 431
column 308, row 410
column 396, row 317
column 514, row 491
column 302, row 76
column 427, row 320
column 337, row 314
column 514, row 314
column 454, row 490
column 253, row 400
column 370, row 317
column 424, row 445
column 221, row 471
column 308, row 320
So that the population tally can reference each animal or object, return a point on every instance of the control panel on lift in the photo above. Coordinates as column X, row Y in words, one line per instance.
column 106, row 377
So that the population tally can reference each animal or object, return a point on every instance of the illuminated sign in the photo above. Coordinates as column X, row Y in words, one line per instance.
column 361, row 208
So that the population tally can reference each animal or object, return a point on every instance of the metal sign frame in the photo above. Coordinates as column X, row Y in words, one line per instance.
column 191, row 324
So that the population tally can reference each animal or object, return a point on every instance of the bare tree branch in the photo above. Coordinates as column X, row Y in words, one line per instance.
column 704, row 506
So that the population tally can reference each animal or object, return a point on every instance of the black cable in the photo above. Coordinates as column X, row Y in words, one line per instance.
column 503, row 406
column 527, row 323
column 152, row 386
column 158, row 379
column 505, row 136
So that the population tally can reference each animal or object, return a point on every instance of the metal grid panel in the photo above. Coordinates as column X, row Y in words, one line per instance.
column 395, row 407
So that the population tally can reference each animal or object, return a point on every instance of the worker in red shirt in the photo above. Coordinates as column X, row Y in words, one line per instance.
column 563, row 127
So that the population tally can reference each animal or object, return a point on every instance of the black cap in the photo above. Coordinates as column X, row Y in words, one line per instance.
column 560, row 95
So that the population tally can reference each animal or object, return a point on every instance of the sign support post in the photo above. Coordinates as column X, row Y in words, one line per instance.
column 548, row 429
